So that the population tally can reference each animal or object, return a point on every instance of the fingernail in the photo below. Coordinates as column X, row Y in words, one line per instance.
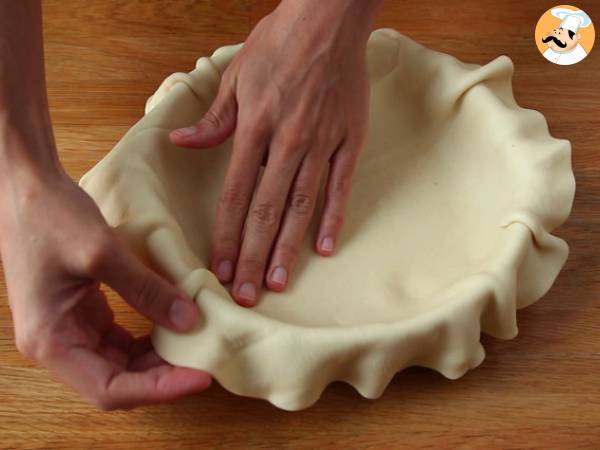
column 185, row 132
column 183, row 314
column 279, row 275
column 225, row 270
column 248, row 292
column 327, row 244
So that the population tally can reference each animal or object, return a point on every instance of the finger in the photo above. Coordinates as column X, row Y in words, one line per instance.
column 139, row 351
column 249, row 147
column 262, row 224
column 146, row 361
column 300, row 208
column 156, row 385
column 145, row 290
column 114, row 355
column 119, row 337
column 337, row 192
column 216, row 125
column 119, row 345
column 107, row 385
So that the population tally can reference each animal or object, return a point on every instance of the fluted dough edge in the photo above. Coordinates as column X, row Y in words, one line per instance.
column 290, row 364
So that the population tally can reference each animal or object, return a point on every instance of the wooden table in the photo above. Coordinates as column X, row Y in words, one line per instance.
column 540, row 390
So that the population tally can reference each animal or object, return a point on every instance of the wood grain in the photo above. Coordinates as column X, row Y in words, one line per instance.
column 540, row 390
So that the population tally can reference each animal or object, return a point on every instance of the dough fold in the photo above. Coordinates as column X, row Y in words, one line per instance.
column 447, row 231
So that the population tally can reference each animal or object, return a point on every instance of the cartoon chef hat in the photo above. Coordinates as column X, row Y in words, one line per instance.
column 571, row 19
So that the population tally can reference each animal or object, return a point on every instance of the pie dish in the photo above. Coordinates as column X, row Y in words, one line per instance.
column 447, row 231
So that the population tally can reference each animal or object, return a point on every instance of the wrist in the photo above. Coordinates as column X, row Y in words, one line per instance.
column 365, row 9
column 335, row 31
column 27, row 159
column 23, row 182
column 352, row 18
column 26, row 140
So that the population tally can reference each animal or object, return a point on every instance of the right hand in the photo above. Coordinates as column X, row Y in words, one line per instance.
column 297, row 96
column 56, row 248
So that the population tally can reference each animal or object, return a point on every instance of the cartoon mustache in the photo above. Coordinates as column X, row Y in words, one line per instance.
column 556, row 41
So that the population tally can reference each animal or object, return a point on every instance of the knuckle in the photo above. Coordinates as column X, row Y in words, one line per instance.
column 293, row 137
column 334, row 136
column 253, row 264
column 212, row 118
column 233, row 201
column 340, row 186
column 228, row 77
column 93, row 259
column 297, row 140
column 32, row 344
column 288, row 250
column 300, row 204
column 104, row 402
column 226, row 244
column 99, row 251
column 357, row 139
column 26, row 344
column 335, row 219
column 256, row 127
column 328, row 136
column 262, row 115
column 146, row 294
column 264, row 215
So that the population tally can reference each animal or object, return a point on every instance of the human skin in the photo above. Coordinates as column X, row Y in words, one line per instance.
column 56, row 247
column 295, row 95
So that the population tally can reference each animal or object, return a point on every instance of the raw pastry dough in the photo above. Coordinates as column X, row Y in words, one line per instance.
column 447, row 231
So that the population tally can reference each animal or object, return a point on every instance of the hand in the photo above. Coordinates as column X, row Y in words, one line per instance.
column 298, row 91
column 56, row 249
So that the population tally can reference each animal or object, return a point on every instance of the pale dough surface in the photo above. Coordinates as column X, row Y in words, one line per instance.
column 447, row 230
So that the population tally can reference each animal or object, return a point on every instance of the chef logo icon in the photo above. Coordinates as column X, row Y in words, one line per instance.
column 564, row 35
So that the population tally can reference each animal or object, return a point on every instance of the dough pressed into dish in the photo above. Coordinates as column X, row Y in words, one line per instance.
column 447, row 231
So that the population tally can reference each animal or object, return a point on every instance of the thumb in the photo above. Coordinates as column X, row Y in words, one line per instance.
column 146, row 291
column 215, row 126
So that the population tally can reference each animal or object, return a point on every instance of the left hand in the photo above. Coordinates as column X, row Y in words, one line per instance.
column 56, row 249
